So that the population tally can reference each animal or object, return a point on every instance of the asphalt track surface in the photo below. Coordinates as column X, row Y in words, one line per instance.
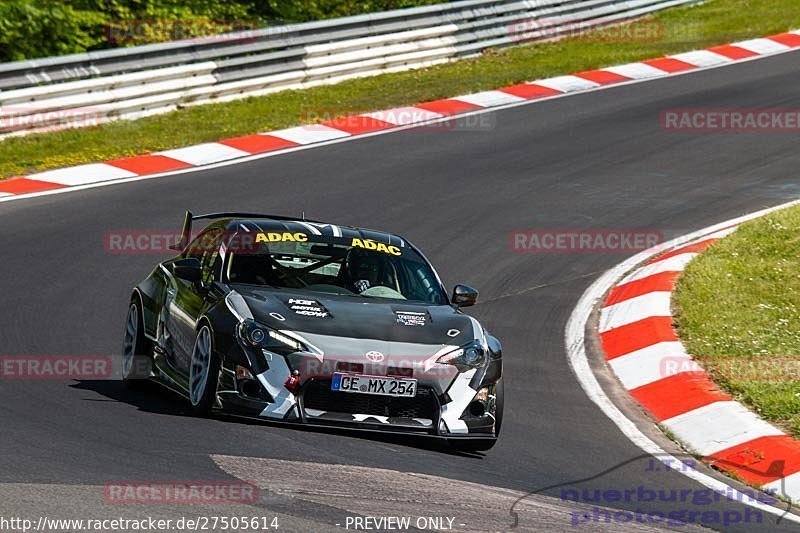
column 594, row 161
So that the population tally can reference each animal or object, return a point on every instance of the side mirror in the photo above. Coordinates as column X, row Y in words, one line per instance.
column 464, row 296
column 188, row 269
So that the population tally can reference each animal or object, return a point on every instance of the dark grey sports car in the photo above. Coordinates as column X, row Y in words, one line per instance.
column 305, row 322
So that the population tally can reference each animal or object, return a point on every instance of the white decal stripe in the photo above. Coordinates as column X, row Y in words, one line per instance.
column 309, row 227
column 366, row 418
column 238, row 306
column 651, row 304
column 718, row 426
column 273, row 380
column 461, row 394
column 431, row 361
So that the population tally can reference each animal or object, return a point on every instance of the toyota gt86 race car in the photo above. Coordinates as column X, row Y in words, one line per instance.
column 300, row 321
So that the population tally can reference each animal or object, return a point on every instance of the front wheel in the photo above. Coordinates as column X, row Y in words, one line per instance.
column 137, row 360
column 203, row 373
column 499, row 400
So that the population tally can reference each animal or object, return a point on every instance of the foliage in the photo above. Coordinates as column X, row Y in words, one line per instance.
column 40, row 28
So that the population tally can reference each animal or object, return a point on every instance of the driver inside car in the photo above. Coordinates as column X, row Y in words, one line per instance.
column 366, row 269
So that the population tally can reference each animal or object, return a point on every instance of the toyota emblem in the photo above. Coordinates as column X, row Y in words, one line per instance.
column 375, row 357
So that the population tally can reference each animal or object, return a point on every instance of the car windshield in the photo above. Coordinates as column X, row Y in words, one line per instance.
column 352, row 267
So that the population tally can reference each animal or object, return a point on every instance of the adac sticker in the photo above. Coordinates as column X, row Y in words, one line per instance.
column 369, row 244
column 281, row 236
column 411, row 318
column 310, row 308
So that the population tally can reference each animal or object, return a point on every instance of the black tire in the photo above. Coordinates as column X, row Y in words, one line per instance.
column 203, row 393
column 137, row 350
column 499, row 400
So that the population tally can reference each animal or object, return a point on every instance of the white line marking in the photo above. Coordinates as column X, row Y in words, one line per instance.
column 719, row 426
column 676, row 263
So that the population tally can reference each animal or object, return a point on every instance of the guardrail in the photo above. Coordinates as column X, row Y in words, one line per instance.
column 86, row 89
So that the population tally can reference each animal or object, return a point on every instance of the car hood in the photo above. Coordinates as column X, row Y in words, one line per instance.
column 322, row 315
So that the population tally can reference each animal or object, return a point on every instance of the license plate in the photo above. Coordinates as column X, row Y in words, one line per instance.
column 359, row 384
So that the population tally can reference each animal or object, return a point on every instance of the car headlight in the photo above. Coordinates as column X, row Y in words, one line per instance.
column 260, row 336
column 472, row 355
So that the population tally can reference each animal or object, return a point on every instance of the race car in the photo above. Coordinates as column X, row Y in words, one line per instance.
column 299, row 321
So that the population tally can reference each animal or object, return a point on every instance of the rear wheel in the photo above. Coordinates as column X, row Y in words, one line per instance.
column 137, row 360
column 203, row 373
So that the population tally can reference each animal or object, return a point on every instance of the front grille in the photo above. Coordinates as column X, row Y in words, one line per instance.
column 318, row 395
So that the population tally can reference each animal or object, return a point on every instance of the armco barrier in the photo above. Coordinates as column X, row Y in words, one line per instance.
column 86, row 89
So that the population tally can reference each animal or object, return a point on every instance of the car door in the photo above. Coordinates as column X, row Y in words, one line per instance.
column 188, row 301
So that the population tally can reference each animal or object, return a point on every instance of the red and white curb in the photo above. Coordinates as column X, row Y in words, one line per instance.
column 402, row 117
column 720, row 439
column 643, row 350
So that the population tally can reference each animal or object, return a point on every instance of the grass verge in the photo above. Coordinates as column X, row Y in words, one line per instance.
column 672, row 31
column 738, row 311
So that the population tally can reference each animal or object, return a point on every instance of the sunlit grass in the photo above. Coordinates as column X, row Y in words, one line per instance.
column 738, row 310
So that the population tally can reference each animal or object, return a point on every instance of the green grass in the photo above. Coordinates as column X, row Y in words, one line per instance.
column 685, row 28
column 738, row 312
